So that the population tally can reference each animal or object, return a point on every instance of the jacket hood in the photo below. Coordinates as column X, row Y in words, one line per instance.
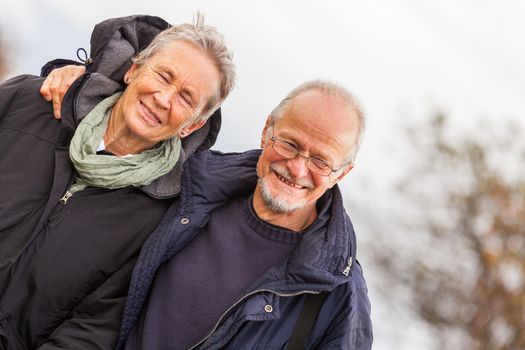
column 320, row 261
column 113, row 44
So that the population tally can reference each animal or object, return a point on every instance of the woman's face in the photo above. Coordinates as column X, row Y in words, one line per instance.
column 167, row 93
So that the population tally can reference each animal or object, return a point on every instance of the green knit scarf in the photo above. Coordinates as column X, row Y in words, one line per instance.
column 110, row 171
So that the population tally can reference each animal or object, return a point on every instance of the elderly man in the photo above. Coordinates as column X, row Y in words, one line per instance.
column 253, row 235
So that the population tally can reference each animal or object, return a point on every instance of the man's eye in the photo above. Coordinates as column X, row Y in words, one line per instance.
column 289, row 145
column 320, row 164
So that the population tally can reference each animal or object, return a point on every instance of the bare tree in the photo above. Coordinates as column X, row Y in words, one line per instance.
column 3, row 57
column 454, row 246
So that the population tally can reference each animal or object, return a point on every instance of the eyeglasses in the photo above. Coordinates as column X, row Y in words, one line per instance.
column 314, row 164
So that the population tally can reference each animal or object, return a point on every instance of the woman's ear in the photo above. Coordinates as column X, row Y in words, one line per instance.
column 128, row 77
column 191, row 128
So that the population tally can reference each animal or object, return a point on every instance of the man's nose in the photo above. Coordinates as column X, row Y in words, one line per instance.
column 298, row 166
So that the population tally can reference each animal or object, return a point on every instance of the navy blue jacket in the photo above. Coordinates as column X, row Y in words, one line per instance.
column 319, row 263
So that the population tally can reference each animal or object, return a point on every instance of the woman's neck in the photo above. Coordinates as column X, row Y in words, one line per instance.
column 118, row 139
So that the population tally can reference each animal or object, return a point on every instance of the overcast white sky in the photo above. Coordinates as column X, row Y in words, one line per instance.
column 402, row 58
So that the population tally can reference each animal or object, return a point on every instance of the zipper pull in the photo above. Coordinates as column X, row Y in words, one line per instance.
column 66, row 196
column 346, row 271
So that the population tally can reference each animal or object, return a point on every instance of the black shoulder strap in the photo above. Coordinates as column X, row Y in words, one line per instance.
column 305, row 321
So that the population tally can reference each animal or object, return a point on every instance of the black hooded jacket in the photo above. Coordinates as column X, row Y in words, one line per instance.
column 65, row 263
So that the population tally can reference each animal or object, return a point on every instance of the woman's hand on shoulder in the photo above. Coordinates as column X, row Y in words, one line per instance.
column 56, row 84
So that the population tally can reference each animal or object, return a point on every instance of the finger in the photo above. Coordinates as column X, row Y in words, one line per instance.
column 44, row 89
column 62, row 79
column 55, row 93
column 57, row 90
column 57, row 103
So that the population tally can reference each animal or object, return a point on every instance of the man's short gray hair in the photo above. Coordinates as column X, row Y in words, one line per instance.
column 331, row 89
column 206, row 38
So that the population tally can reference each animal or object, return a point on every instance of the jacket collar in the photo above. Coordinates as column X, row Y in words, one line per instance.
column 319, row 262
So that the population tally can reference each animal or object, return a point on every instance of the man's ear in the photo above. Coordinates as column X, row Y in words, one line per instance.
column 191, row 128
column 266, row 129
column 346, row 169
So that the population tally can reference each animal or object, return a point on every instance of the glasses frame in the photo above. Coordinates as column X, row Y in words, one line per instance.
column 330, row 169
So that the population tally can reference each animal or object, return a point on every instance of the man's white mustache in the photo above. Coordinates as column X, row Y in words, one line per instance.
column 284, row 173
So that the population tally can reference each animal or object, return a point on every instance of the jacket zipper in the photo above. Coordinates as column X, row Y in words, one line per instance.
column 58, row 209
column 66, row 196
column 53, row 213
column 243, row 298
column 61, row 202
column 346, row 271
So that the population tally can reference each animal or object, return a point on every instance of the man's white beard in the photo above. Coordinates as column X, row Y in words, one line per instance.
column 278, row 204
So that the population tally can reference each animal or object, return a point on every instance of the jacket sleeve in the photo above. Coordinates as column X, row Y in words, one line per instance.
column 351, row 326
column 8, row 92
column 57, row 63
column 95, row 322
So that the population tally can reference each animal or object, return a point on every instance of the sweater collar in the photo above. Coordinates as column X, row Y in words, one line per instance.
column 271, row 232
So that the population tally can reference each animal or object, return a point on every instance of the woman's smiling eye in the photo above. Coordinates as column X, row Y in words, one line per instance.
column 167, row 78
column 164, row 77
column 187, row 98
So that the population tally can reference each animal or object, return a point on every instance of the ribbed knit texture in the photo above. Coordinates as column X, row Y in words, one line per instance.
column 197, row 286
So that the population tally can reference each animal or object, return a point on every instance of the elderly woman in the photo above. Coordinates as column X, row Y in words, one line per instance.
column 82, row 194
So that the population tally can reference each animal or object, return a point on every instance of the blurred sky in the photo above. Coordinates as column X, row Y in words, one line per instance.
column 402, row 58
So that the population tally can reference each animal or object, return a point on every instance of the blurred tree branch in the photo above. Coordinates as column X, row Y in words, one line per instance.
column 455, row 247
column 3, row 56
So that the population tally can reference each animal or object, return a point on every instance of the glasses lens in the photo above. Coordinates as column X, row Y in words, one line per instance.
column 284, row 148
column 290, row 151
column 319, row 166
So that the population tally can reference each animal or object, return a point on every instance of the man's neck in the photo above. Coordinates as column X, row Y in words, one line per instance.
column 297, row 220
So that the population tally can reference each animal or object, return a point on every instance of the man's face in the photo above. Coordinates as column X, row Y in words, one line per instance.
column 318, row 126
column 168, row 91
